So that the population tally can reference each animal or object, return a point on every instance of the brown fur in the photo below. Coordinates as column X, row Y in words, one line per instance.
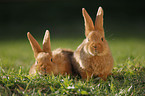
column 47, row 62
column 62, row 58
column 93, row 57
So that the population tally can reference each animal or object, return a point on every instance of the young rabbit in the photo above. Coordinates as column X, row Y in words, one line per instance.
column 93, row 56
column 47, row 62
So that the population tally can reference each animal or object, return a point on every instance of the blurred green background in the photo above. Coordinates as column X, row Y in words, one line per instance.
column 124, row 23
column 122, row 18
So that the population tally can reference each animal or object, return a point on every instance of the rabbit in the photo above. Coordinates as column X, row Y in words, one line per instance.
column 47, row 61
column 93, row 56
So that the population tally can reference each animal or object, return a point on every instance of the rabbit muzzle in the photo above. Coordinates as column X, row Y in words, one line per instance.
column 95, row 49
column 44, row 69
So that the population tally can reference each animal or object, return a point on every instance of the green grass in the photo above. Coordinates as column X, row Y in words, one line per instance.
column 128, row 77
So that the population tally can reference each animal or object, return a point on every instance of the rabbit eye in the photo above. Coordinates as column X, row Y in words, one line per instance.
column 102, row 39
column 51, row 59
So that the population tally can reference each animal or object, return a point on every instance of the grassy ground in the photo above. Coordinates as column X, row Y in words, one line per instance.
column 128, row 77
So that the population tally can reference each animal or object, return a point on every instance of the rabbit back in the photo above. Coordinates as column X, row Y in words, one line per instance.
column 62, row 57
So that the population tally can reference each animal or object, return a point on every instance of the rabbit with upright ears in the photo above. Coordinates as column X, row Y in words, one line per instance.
column 47, row 62
column 93, row 56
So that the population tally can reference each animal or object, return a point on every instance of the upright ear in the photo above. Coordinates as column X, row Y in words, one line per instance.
column 99, row 20
column 89, row 26
column 46, row 43
column 34, row 44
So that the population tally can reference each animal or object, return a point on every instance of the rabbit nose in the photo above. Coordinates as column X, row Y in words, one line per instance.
column 43, row 67
column 45, row 70
column 95, row 47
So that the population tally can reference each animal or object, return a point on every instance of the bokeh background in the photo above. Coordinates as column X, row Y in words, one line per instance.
column 122, row 18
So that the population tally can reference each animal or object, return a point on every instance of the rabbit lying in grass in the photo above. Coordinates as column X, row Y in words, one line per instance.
column 93, row 57
column 47, row 62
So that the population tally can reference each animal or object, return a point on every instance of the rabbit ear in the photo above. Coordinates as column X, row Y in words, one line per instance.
column 99, row 20
column 46, row 43
column 89, row 26
column 34, row 44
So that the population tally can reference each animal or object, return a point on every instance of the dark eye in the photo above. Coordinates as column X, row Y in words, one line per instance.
column 102, row 38
column 51, row 59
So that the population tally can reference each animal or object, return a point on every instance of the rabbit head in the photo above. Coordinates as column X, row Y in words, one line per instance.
column 95, row 42
column 43, row 64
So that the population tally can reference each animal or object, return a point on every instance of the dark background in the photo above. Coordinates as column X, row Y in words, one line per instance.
column 63, row 18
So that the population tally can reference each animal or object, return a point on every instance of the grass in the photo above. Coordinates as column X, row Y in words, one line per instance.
column 128, row 77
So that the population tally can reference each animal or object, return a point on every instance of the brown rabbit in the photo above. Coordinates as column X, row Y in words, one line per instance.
column 93, row 57
column 47, row 62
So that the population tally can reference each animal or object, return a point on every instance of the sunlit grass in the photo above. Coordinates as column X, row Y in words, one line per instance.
column 128, row 77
